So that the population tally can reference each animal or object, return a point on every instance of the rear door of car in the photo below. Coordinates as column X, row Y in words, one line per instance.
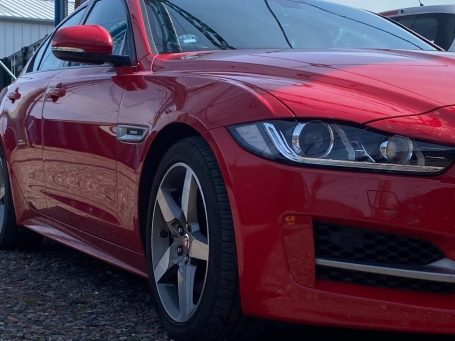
column 24, row 106
column 80, row 144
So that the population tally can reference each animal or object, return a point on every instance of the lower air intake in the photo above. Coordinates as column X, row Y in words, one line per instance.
column 372, row 258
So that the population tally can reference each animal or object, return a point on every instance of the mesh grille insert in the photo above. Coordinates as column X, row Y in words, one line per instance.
column 355, row 245
column 347, row 244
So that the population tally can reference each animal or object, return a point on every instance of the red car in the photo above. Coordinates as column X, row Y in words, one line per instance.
column 266, row 159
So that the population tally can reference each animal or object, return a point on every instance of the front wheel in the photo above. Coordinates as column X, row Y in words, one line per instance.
column 191, row 248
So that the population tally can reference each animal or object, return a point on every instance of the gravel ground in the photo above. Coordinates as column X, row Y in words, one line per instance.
column 55, row 293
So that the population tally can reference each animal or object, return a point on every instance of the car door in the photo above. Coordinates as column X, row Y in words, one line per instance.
column 24, row 106
column 79, row 135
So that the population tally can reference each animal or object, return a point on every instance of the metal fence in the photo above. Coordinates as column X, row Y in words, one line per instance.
column 5, row 78
column 16, row 63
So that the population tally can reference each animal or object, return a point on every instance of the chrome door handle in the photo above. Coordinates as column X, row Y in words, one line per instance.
column 56, row 93
column 14, row 96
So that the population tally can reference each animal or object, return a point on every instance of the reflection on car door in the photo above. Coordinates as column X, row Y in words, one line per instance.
column 24, row 105
column 80, row 145
column 79, row 119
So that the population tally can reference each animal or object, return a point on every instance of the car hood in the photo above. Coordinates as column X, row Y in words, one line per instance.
column 352, row 85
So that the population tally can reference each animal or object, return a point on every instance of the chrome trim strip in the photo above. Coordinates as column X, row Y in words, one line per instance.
column 442, row 271
column 67, row 49
column 131, row 134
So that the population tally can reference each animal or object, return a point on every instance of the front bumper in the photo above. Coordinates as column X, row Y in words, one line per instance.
column 274, row 207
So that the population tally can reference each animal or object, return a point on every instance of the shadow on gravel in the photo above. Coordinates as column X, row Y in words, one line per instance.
column 55, row 293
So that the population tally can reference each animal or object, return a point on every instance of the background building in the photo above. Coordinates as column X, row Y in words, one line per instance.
column 23, row 25
column 24, row 22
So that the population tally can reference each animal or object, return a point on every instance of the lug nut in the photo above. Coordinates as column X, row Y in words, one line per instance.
column 180, row 250
column 164, row 234
column 181, row 231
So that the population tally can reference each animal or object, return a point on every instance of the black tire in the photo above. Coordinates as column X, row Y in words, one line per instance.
column 219, row 315
column 12, row 236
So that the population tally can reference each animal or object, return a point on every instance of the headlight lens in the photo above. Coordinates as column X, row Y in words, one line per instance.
column 331, row 144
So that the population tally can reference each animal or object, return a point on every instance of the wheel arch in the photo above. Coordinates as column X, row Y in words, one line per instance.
column 160, row 144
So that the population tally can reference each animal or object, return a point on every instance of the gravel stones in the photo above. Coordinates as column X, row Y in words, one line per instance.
column 55, row 293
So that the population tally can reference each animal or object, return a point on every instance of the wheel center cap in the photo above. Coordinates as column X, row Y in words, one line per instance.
column 186, row 243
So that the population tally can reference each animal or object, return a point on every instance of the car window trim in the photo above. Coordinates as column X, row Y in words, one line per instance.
column 43, row 46
column 148, row 28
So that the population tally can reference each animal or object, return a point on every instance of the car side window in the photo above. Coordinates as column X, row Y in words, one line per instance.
column 49, row 61
column 113, row 16
column 34, row 62
column 439, row 28
column 407, row 20
column 427, row 26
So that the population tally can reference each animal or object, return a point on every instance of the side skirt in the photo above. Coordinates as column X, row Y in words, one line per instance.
column 86, row 243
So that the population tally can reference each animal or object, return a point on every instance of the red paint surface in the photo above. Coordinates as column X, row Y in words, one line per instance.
column 74, row 182
column 89, row 38
column 268, row 288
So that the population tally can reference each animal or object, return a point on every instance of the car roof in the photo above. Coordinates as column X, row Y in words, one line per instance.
column 420, row 10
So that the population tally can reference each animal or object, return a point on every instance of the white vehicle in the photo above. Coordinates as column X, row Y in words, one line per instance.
column 436, row 23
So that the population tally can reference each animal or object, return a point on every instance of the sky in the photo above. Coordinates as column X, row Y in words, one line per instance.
column 383, row 5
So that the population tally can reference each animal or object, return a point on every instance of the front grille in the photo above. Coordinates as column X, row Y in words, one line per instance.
column 390, row 282
column 387, row 250
column 348, row 244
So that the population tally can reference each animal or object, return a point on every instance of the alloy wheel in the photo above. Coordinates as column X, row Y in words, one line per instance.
column 180, row 242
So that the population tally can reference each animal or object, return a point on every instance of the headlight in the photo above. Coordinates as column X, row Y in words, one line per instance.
column 331, row 144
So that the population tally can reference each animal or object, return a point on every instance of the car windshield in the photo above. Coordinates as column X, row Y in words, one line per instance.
column 198, row 25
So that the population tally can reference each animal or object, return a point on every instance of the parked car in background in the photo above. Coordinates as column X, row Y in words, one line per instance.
column 263, row 159
column 435, row 23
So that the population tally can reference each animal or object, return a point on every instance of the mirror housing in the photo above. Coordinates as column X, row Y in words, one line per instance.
column 88, row 44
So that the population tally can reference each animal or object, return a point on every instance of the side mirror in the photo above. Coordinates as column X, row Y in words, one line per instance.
column 88, row 44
